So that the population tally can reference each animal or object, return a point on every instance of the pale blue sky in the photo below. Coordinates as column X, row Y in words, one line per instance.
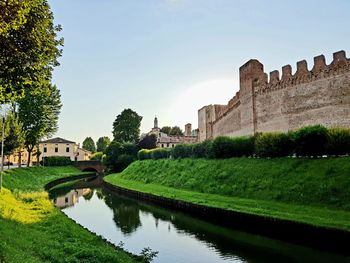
column 171, row 57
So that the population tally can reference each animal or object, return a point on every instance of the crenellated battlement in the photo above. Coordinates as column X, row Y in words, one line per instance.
column 283, row 101
column 320, row 69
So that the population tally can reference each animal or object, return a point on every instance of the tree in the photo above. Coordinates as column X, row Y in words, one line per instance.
column 38, row 114
column 126, row 127
column 166, row 129
column 13, row 135
column 89, row 144
column 176, row 131
column 29, row 47
column 120, row 155
column 148, row 142
column 102, row 143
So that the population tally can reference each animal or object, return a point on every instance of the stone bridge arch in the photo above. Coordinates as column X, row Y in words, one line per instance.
column 90, row 166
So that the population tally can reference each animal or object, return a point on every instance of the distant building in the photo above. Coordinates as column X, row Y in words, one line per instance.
column 52, row 147
column 62, row 147
column 170, row 141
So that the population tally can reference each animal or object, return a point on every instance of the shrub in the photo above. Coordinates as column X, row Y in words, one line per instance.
column 124, row 160
column 338, row 141
column 159, row 153
column 202, row 150
column 226, row 147
column 56, row 161
column 119, row 154
column 311, row 141
column 144, row 154
column 273, row 144
column 97, row 156
column 182, row 151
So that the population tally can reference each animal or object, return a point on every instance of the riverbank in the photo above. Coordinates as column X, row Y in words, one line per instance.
column 33, row 230
column 312, row 192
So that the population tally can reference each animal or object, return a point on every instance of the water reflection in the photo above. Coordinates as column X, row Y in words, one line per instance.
column 177, row 236
column 71, row 198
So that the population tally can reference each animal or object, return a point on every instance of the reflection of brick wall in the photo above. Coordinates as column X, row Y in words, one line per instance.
column 318, row 96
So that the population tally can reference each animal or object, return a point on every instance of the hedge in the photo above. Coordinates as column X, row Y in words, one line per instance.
column 56, row 161
column 338, row 141
column 158, row 153
column 226, row 147
column 274, row 144
column 311, row 141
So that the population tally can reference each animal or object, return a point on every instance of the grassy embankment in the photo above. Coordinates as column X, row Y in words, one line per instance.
column 313, row 191
column 32, row 230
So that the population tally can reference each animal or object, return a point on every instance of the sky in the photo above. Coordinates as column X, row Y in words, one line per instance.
column 169, row 58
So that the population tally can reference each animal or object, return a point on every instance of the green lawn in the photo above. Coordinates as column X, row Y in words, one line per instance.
column 32, row 230
column 313, row 191
column 35, row 178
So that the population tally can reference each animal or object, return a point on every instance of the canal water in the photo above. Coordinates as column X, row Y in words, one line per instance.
column 178, row 237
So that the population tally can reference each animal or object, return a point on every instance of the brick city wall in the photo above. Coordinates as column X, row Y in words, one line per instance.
column 317, row 96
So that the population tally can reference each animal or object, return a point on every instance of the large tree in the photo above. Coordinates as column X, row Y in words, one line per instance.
column 89, row 144
column 126, row 127
column 102, row 143
column 29, row 47
column 38, row 114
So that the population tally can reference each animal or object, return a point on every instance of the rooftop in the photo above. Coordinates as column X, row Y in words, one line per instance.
column 57, row 140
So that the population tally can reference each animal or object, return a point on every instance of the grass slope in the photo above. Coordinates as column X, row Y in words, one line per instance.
column 35, row 178
column 314, row 191
column 32, row 230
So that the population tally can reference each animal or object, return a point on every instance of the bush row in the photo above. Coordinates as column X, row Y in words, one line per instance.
column 56, row 161
column 158, row 153
column 309, row 141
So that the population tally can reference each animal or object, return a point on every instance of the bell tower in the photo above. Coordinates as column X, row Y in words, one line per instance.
column 155, row 123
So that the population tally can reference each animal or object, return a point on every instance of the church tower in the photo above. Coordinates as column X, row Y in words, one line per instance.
column 155, row 123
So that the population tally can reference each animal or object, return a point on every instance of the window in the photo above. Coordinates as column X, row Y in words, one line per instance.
column 45, row 149
column 56, row 149
column 167, row 145
column 173, row 145
column 67, row 149
column 162, row 145
column 66, row 200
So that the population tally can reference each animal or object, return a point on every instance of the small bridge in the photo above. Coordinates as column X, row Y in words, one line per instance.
column 90, row 166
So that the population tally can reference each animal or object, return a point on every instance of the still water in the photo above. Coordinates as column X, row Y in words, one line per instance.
column 177, row 237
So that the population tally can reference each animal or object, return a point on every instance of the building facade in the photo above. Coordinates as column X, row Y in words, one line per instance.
column 170, row 141
column 62, row 147
column 317, row 96
column 52, row 147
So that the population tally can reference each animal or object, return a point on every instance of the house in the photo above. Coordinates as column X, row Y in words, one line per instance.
column 52, row 147
column 62, row 147
column 170, row 141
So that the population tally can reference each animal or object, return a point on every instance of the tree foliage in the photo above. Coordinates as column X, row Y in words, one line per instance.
column 13, row 138
column 176, row 131
column 89, row 144
column 148, row 142
column 166, row 129
column 120, row 155
column 38, row 114
column 102, row 143
column 126, row 127
column 29, row 47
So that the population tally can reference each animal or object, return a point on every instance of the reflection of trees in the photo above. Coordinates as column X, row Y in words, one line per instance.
column 127, row 218
column 99, row 193
column 89, row 195
column 126, row 212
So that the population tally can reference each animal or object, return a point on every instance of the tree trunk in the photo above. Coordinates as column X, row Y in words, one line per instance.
column 20, row 158
column 29, row 155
